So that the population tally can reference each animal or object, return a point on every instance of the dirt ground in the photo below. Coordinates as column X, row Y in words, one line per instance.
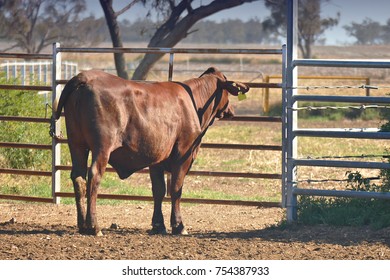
column 41, row 231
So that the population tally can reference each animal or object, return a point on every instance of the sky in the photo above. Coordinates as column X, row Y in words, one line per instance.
column 350, row 11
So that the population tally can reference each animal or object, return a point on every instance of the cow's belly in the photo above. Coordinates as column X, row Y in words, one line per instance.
column 126, row 161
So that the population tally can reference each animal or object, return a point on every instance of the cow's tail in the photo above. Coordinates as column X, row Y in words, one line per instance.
column 59, row 104
column 69, row 88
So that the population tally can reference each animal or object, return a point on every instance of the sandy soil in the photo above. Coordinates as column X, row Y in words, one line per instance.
column 41, row 231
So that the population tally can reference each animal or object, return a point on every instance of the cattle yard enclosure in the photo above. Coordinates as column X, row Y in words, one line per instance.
column 58, row 80
column 290, row 177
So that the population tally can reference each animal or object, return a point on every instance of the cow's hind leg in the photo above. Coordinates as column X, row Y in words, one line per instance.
column 159, row 189
column 95, row 174
column 78, row 175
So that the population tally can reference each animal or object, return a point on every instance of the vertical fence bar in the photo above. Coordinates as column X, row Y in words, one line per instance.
column 45, row 72
column 56, row 147
column 23, row 72
column 15, row 71
column 291, row 82
column 7, row 70
column 32, row 73
column 284, row 127
column 170, row 73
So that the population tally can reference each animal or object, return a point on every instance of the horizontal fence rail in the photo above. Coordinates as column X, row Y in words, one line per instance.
column 264, row 204
column 172, row 50
column 242, row 147
column 341, row 163
column 25, row 146
column 349, row 63
column 342, row 99
column 24, row 119
column 25, row 172
column 335, row 193
column 356, row 133
column 200, row 173
column 21, row 87
column 26, row 56
column 26, row 198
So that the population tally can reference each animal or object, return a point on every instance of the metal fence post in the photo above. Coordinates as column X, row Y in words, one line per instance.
column 284, row 126
column 56, row 147
column 292, row 124
column 170, row 71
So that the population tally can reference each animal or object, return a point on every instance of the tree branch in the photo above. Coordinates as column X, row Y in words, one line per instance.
column 176, row 28
column 126, row 8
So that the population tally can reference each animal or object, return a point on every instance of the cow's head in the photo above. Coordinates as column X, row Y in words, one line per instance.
column 223, row 108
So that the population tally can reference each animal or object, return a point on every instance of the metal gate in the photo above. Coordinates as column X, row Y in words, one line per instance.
column 56, row 87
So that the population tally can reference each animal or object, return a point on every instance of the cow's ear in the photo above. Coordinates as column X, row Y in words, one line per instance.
column 211, row 70
column 235, row 88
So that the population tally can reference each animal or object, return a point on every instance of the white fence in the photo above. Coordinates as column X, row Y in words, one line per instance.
column 35, row 72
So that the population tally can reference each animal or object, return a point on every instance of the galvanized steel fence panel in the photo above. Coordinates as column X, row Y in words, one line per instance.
column 293, row 133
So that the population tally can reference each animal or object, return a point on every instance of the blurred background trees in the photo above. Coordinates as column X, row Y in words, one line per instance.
column 32, row 25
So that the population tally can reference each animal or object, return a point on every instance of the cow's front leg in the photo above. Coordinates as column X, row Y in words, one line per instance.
column 176, row 219
column 176, row 191
column 159, row 190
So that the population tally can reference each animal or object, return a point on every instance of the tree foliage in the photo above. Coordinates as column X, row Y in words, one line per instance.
column 32, row 25
column 231, row 31
column 311, row 25
column 205, row 31
column 369, row 32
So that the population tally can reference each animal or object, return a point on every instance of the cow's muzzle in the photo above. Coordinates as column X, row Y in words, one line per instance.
column 227, row 113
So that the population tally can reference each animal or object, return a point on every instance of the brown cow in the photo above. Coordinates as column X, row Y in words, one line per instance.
column 133, row 125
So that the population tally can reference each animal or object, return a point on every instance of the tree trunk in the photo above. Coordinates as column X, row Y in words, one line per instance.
column 112, row 23
column 176, row 28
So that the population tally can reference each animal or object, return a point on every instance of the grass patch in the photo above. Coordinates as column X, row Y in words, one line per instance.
column 348, row 211
column 344, row 212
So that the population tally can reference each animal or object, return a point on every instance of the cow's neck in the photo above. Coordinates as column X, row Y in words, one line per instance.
column 203, row 92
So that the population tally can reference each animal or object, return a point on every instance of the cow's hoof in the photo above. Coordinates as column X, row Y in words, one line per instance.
column 179, row 230
column 90, row 231
column 158, row 229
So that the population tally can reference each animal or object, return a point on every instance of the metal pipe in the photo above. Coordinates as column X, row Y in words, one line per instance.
column 341, row 163
column 344, row 99
column 342, row 63
column 172, row 50
column 355, row 133
column 335, row 193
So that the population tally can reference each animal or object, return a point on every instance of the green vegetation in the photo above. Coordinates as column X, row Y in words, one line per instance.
column 349, row 211
column 23, row 103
